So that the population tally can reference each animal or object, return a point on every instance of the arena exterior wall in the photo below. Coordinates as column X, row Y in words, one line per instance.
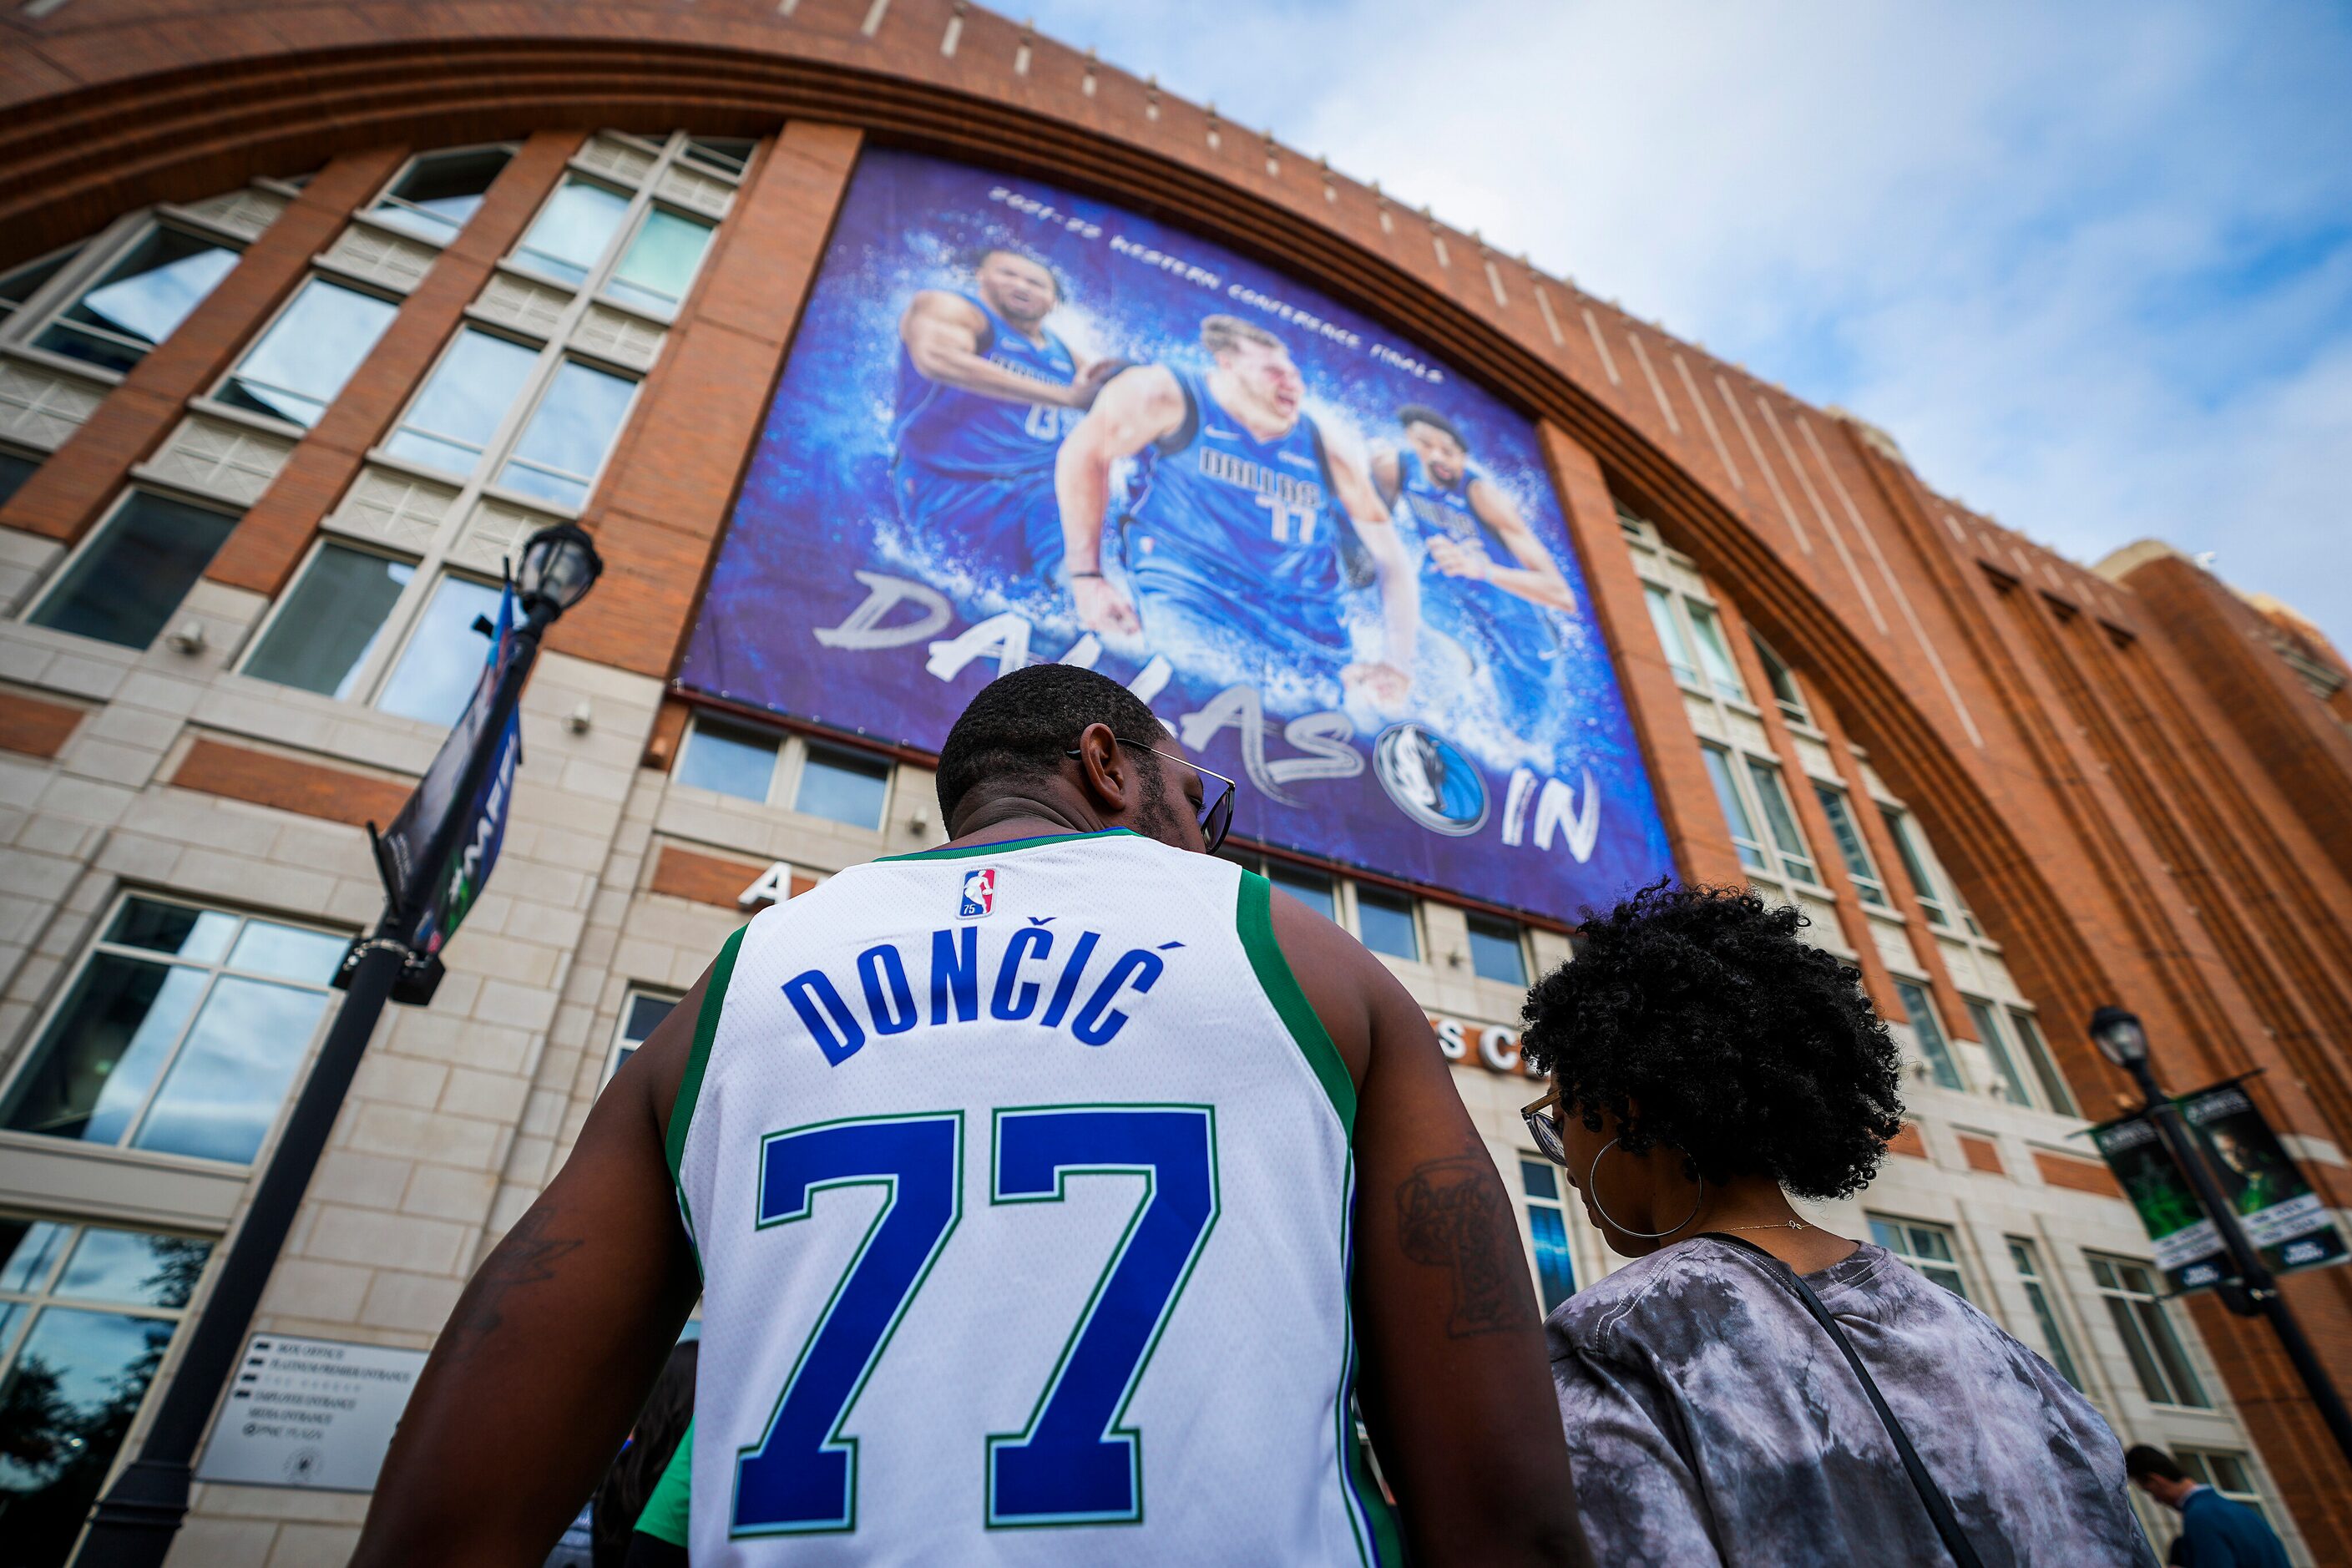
column 2112, row 788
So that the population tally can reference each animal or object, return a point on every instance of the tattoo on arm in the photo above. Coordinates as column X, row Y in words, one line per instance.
column 526, row 1257
column 1452, row 1215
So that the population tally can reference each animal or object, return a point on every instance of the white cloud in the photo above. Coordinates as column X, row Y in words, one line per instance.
column 2091, row 265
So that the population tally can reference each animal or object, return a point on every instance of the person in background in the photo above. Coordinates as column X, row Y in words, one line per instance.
column 1706, row 1062
column 668, row 1413
column 2215, row 1533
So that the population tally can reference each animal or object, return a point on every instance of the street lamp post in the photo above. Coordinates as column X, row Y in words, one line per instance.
column 132, row 1524
column 2122, row 1041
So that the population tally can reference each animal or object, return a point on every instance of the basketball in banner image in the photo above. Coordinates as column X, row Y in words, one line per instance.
column 1019, row 425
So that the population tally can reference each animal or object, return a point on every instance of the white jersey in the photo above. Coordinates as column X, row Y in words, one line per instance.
column 1020, row 1176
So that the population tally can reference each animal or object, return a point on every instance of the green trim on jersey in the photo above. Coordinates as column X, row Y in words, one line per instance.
column 665, row 1511
column 1254, row 918
column 1361, row 1489
column 965, row 851
column 697, row 1060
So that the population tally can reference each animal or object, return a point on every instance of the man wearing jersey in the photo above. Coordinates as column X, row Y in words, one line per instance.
column 1486, row 581
column 1237, row 517
column 1044, row 1192
column 983, row 387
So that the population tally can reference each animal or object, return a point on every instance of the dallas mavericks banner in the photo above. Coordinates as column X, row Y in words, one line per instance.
column 1021, row 424
column 458, row 880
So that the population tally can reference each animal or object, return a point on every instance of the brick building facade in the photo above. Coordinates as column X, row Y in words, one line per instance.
column 2009, row 787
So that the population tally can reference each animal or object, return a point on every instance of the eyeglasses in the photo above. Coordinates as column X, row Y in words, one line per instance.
column 1216, row 805
column 1543, row 1125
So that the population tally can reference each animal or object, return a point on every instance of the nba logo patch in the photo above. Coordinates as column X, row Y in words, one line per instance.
column 979, row 893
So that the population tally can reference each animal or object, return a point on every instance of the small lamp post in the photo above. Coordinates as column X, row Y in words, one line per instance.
column 2255, row 1291
column 132, row 1524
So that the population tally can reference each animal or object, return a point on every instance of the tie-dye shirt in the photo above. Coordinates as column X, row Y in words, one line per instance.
column 1711, row 1421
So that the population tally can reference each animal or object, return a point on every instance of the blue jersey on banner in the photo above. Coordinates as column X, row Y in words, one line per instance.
column 968, row 436
column 1231, row 536
column 1519, row 640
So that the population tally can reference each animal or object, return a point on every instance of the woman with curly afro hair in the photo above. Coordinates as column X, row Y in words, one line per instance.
column 1707, row 1063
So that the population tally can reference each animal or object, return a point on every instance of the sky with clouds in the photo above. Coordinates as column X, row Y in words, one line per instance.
column 2090, row 264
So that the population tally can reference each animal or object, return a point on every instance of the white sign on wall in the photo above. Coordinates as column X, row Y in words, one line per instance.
column 310, row 1413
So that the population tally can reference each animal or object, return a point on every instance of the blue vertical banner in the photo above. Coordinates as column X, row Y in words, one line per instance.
column 1021, row 424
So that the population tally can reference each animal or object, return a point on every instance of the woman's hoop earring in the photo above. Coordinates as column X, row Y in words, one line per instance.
column 1593, row 1192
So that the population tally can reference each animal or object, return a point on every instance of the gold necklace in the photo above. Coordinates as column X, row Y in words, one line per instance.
column 1776, row 1225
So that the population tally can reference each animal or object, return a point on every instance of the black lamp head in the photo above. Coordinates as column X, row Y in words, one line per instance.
column 2118, row 1035
column 559, row 565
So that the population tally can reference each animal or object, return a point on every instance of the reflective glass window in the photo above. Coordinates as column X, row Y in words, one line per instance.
column 573, row 230
column 308, row 353
column 19, row 284
column 2027, row 1263
column 1495, row 952
column 569, row 434
column 1783, row 682
column 1926, row 1247
column 1915, row 865
column 1930, row 1032
column 330, row 622
column 439, row 191
column 843, row 786
column 730, row 153
column 1384, row 920
column 1796, row 858
column 1310, row 888
column 1996, row 1045
column 1671, row 639
column 1851, row 848
column 1734, row 810
column 641, row 1014
column 1548, row 1228
column 660, row 262
column 733, row 759
column 1707, row 631
column 2054, row 1091
column 2139, row 1320
column 14, row 469
column 460, row 409
column 181, row 1033
column 437, row 671
column 137, row 302
column 125, row 585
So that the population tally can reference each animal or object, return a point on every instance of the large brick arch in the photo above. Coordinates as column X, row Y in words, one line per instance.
column 124, row 102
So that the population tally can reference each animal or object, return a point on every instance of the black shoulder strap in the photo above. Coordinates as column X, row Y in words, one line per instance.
column 1939, row 1508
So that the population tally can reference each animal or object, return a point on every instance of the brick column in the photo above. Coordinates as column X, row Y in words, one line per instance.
column 671, row 483
column 270, row 538
column 72, row 488
column 1694, row 825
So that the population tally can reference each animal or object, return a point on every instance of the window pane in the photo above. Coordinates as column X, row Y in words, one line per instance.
column 460, row 410
column 69, row 1399
column 2028, row 1264
column 1988, row 1031
column 2186, row 1389
column 1851, row 848
column 1670, row 633
column 843, row 788
column 572, row 229
column 289, row 953
column 140, row 300
column 1781, row 679
column 2151, row 1379
column 569, row 434
column 2045, row 1071
column 728, row 759
column 33, row 1248
column 443, row 662
column 200, row 934
column 21, row 284
column 1306, row 887
column 1713, row 656
column 224, row 1088
column 1537, row 1177
column 728, row 152
column 105, row 1048
column 329, row 625
column 440, row 192
column 1898, row 827
column 124, row 587
column 308, row 353
column 1554, row 1269
column 1735, row 813
column 14, row 472
column 1494, row 950
column 1930, row 1033
column 1795, row 856
column 133, row 1268
column 1387, row 922
column 661, row 261
column 645, row 1015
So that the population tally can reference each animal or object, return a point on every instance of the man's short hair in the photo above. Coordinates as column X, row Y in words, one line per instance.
column 1414, row 414
column 1022, row 253
column 2141, row 1461
column 1021, row 724
column 1222, row 334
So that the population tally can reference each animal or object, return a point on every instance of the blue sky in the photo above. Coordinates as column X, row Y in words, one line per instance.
column 2091, row 265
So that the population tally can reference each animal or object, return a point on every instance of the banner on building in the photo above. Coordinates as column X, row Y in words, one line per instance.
column 1018, row 425
column 2187, row 1247
column 453, row 884
column 2282, row 1216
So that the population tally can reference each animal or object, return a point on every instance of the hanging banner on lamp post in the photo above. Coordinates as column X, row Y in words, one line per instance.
column 2189, row 1247
column 2283, row 1217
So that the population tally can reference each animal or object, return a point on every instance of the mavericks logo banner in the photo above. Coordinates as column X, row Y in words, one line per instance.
column 1018, row 425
